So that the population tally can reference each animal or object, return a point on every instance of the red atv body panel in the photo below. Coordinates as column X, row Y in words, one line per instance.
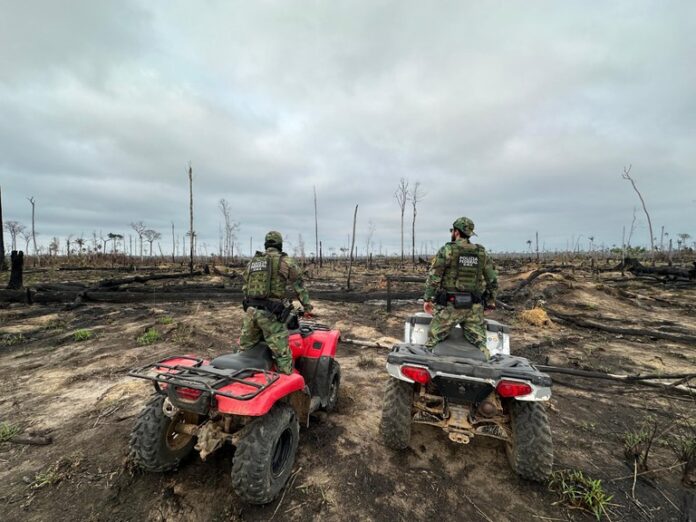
column 320, row 343
column 312, row 356
column 264, row 401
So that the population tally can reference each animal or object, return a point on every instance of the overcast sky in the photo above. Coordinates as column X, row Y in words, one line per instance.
column 520, row 115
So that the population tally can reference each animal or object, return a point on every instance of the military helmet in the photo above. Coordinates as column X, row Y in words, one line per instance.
column 274, row 239
column 465, row 226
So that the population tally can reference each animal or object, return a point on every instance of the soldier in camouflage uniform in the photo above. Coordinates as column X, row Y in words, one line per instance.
column 265, row 284
column 459, row 270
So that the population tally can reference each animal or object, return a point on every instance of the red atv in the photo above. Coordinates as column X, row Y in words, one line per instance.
column 240, row 399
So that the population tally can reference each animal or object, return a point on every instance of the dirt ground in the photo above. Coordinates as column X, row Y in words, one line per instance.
column 77, row 392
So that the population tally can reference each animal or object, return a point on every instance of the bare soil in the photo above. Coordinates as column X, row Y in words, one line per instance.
column 77, row 392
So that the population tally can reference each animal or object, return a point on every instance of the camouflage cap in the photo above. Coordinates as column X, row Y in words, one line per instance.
column 464, row 225
column 274, row 238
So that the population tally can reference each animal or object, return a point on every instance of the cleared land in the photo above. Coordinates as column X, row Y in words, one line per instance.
column 56, row 382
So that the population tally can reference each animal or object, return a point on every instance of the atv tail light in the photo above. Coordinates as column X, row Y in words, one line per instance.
column 420, row 375
column 188, row 394
column 513, row 389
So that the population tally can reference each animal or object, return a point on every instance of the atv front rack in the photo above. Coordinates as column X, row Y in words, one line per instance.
column 205, row 379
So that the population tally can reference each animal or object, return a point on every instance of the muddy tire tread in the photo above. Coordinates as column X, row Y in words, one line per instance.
column 146, row 449
column 532, row 456
column 395, row 425
column 251, row 475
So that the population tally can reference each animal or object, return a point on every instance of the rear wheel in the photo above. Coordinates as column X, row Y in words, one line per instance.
column 395, row 426
column 530, row 452
column 154, row 443
column 265, row 455
column 334, row 384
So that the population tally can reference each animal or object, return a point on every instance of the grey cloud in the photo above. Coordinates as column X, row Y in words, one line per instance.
column 521, row 116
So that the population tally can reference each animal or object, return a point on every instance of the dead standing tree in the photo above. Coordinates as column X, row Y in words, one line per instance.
column 416, row 197
column 151, row 236
column 33, row 221
column 627, row 176
column 15, row 228
column 402, row 196
column 3, row 265
column 317, row 250
column 230, row 230
column 352, row 248
column 191, row 232
column 139, row 228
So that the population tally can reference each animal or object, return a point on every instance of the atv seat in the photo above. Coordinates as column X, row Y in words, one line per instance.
column 258, row 357
column 457, row 346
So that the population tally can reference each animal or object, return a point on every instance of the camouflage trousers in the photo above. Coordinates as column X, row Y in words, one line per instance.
column 471, row 321
column 261, row 325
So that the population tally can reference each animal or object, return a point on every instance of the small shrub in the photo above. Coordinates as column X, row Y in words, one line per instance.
column 8, row 431
column 365, row 361
column 82, row 335
column 58, row 471
column 12, row 339
column 165, row 319
column 149, row 337
column 683, row 444
column 56, row 325
column 580, row 492
column 182, row 333
column 638, row 443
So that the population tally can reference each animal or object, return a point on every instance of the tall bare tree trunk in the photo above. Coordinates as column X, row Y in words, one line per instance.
column 402, row 196
column 33, row 230
column 173, row 243
column 626, row 175
column 352, row 247
column 316, row 229
column 537, row 246
column 3, row 265
column 190, row 176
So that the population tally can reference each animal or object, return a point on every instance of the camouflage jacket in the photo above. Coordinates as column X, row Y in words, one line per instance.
column 283, row 270
column 478, row 273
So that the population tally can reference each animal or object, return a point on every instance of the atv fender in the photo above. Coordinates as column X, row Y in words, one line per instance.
column 264, row 401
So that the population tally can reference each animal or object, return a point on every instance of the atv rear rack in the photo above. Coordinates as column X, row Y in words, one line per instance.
column 205, row 379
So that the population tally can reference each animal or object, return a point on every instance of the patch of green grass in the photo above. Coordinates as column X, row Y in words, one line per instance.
column 149, row 337
column 580, row 492
column 82, row 335
column 165, row 319
column 12, row 339
column 7, row 431
column 182, row 334
column 58, row 471
column 588, row 426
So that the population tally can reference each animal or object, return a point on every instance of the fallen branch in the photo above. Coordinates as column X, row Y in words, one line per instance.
column 643, row 380
column 109, row 283
column 638, row 332
column 531, row 277
column 368, row 344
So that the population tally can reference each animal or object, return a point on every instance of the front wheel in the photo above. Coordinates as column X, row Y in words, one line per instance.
column 395, row 425
column 265, row 455
column 155, row 444
column 334, row 384
column 530, row 450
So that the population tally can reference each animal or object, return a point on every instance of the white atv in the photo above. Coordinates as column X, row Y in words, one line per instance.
column 454, row 388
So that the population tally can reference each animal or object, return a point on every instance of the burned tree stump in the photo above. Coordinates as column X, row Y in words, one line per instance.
column 16, row 274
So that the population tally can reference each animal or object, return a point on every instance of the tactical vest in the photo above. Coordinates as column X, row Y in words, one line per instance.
column 264, row 280
column 464, row 271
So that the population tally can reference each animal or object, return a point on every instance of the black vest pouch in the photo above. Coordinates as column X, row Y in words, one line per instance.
column 461, row 301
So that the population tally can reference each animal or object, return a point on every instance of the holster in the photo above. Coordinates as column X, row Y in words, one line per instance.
column 278, row 308
column 459, row 300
